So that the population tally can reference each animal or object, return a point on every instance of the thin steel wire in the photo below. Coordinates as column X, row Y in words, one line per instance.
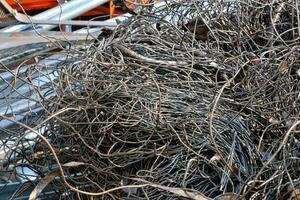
column 199, row 95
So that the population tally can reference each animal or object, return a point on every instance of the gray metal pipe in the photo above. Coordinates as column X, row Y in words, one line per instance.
column 65, row 11
column 112, row 22
column 121, row 18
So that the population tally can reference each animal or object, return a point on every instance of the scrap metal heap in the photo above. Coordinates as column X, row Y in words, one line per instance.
column 188, row 100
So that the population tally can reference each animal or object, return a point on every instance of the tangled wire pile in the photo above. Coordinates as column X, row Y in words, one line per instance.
column 190, row 100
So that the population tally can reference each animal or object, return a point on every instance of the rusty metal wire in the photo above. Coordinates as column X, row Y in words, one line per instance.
column 201, row 96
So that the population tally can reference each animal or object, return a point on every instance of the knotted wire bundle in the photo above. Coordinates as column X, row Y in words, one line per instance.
column 194, row 97
column 135, row 107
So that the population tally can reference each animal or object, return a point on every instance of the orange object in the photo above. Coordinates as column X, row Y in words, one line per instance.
column 130, row 4
column 29, row 5
column 38, row 5
column 101, row 10
column 111, row 9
